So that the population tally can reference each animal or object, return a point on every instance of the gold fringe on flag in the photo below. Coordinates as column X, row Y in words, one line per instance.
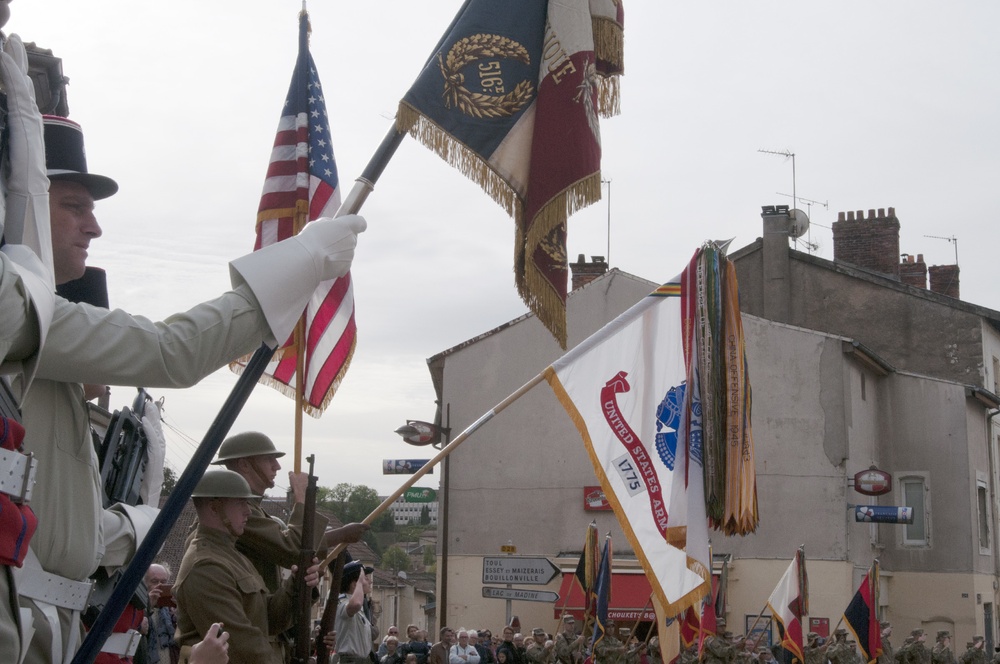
column 532, row 284
column 409, row 119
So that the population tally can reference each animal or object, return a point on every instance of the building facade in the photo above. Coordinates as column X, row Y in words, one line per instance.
column 850, row 368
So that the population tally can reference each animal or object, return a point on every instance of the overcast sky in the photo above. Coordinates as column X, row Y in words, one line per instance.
column 885, row 104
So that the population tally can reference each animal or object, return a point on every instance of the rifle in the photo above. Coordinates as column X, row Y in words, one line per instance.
column 328, row 622
column 303, row 632
column 124, row 454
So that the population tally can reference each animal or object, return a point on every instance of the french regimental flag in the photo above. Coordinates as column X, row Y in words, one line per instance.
column 512, row 97
column 623, row 387
column 789, row 603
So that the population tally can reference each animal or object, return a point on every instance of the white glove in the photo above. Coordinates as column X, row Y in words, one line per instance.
column 26, row 220
column 284, row 275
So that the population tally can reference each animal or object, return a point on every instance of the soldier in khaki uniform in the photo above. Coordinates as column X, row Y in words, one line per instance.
column 540, row 650
column 268, row 545
column 917, row 652
column 888, row 655
column 569, row 645
column 839, row 652
column 941, row 653
column 216, row 583
column 719, row 649
column 814, row 651
column 609, row 650
column 976, row 654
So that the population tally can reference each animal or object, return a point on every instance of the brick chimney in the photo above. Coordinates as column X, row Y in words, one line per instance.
column 870, row 242
column 944, row 279
column 584, row 272
column 913, row 272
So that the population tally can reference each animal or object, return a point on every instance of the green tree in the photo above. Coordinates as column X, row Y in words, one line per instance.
column 169, row 481
column 396, row 559
column 425, row 516
column 430, row 557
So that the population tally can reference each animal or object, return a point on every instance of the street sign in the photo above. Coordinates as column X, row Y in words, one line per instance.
column 883, row 514
column 873, row 482
column 403, row 466
column 511, row 569
column 419, row 495
column 508, row 548
column 520, row 594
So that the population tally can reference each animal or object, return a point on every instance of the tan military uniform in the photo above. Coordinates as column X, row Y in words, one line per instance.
column 271, row 547
column 609, row 650
column 918, row 653
column 216, row 583
column 538, row 654
column 941, row 654
column 888, row 654
column 719, row 650
column 568, row 651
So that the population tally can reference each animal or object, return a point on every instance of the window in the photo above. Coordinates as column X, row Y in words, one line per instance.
column 915, row 496
column 984, row 517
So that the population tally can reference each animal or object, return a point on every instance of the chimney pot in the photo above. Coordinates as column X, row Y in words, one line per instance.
column 881, row 213
column 841, row 216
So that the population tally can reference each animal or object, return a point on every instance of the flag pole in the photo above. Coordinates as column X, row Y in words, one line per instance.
column 445, row 451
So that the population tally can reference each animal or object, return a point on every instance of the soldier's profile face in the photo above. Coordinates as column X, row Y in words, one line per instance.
column 237, row 510
column 71, row 212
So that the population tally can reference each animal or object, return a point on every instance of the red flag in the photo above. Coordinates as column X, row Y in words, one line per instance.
column 789, row 603
column 861, row 616
column 690, row 627
column 301, row 186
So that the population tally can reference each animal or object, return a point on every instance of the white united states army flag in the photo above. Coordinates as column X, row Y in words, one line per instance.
column 624, row 389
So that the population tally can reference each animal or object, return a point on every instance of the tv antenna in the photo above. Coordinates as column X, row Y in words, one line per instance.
column 786, row 154
column 810, row 245
column 952, row 239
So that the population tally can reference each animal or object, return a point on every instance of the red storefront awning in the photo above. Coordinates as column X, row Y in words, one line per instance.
column 629, row 598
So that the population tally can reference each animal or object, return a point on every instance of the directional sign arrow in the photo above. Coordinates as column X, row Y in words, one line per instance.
column 514, row 569
column 521, row 594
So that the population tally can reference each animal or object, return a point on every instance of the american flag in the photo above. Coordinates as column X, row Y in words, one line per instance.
column 301, row 186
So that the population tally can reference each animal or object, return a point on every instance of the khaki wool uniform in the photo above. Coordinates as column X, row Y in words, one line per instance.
column 609, row 650
column 814, row 654
column 271, row 547
column 942, row 654
column 718, row 650
column 537, row 654
column 888, row 654
column 839, row 652
column 216, row 583
column 567, row 651
column 918, row 653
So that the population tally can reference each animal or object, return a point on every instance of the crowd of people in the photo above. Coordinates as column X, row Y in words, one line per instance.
column 481, row 646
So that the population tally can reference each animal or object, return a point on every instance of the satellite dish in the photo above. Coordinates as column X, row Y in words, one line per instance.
column 800, row 223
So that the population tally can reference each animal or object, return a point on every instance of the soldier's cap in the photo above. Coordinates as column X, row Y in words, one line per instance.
column 352, row 571
column 538, row 630
column 65, row 158
column 246, row 444
column 812, row 635
column 885, row 624
column 917, row 632
column 840, row 631
column 943, row 633
column 569, row 620
column 222, row 483
column 977, row 639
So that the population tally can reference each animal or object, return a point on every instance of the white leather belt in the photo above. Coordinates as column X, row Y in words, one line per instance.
column 35, row 583
column 122, row 643
column 17, row 475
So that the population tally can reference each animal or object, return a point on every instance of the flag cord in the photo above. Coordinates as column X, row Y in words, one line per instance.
column 445, row 451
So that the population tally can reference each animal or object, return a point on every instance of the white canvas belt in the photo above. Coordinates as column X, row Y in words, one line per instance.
column 17, row 475
column 49, row 591
column 37, row 584
column 122, row 643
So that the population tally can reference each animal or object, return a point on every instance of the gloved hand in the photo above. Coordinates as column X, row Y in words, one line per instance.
column 26, row 220
column 284, row 275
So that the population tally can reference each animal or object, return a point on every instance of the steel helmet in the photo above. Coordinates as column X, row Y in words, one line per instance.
column 222, row 483
column 246, row 444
